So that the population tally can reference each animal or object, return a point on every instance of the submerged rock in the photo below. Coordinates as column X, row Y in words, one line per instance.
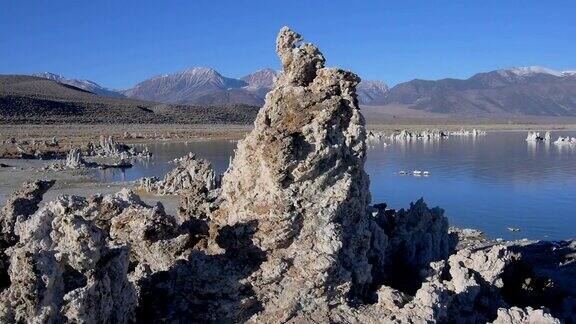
column 565, row 141
column 533, row 137
column 424, row 135
column 75, row 161
column 464, row 132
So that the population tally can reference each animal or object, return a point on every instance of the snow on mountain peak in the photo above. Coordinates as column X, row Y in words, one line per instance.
column 82, row 84
column 49, row 75
column 371, row 92
column 528, row 71
column 374, row 85
column 202, row 71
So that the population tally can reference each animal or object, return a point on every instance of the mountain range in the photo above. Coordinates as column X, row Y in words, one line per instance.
column 206, row 86
column 81, row 84
column 201, row 85
column 525, row 91
column 521, row 91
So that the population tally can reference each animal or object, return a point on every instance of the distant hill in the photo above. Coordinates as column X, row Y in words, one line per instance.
column 206, row 86
column 262, row 78
column 82, row 84
column 372, row 92
column 29, row 99
column 525, row 91
column 195, row 86
column 496, row 95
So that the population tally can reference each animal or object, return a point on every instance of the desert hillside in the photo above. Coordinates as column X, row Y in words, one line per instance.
column 28, row 99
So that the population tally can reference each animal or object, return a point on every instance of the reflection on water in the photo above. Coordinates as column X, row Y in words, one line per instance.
column 488, row 182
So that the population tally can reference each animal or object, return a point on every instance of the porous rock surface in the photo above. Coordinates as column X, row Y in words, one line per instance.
column 109, row 147
column 526, row 315
column 63, row 269
column 74, row 159
column 194, row 180
column 190, row 175
column 299, row 175
column 21, row 204
column 413, row 238
column 290, row 236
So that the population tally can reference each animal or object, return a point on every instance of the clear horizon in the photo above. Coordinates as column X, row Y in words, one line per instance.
column 120, row 44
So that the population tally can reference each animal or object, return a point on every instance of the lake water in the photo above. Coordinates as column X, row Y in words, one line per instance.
column 489, row 182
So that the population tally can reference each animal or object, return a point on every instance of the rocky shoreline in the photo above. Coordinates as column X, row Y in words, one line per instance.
column 32, row 138
column 289, row 234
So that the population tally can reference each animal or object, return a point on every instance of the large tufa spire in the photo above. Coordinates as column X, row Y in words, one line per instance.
column 300, row 176
column 299, row 62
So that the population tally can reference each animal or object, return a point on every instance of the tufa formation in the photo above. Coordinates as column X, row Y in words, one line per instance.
column 288, row 235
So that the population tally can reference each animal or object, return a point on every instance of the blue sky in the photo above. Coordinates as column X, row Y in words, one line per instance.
column 119, row 43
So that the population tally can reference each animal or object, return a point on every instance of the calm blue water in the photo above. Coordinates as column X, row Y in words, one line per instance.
column 489, row 182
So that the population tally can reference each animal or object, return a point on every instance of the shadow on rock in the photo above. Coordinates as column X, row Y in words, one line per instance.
column 544, row 276
column 404, row 243
column 205, row 287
